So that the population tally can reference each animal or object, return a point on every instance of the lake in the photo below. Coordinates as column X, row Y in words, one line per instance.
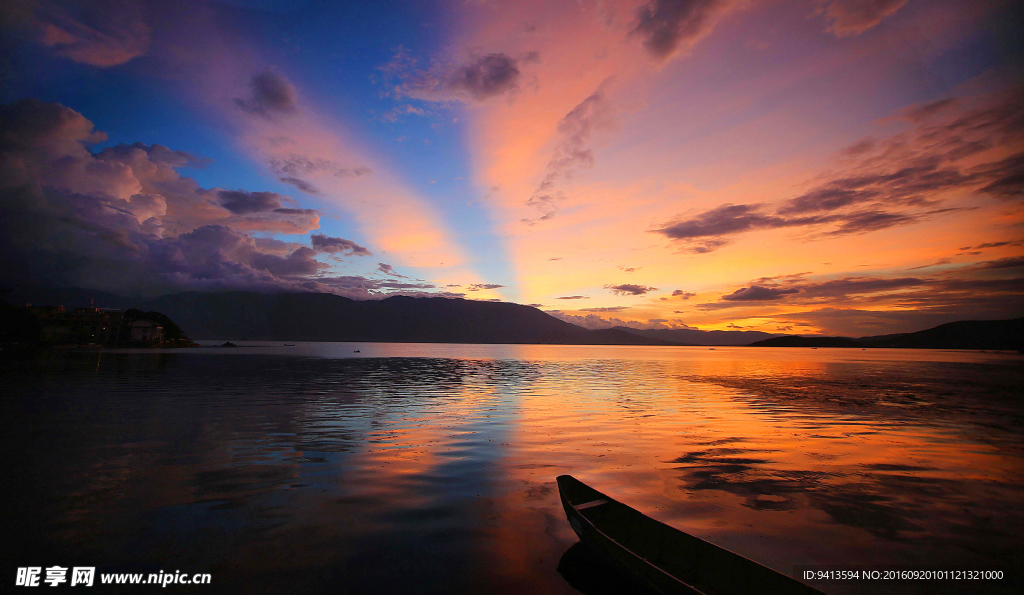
column 426, row 468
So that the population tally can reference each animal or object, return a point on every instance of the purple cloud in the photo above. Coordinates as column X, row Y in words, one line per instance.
column 271, row 95
column 100, row 34
column 571, row 153
column 668, row 25
column 302, row 185
column 853, row 17
column 482, row 78
column 296, row 164
column 630, row 289
column 241, row 202
column 757, row 293
column 123, row 219
column 337, row 245
column 387, row 269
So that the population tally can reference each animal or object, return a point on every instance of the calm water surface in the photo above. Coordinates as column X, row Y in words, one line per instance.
column 430, row 468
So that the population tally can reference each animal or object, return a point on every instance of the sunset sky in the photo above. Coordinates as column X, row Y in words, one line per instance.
column 848, row 167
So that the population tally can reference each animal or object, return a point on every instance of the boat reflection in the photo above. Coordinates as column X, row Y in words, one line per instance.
column 589, row 574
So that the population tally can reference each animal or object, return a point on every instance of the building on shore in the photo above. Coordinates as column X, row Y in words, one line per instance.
column 146, row 331
column 98, row 327
column 95, row 326
column 81, row 326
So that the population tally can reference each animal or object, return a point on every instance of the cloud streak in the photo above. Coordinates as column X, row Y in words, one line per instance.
column 102, row 34
column 899, row 181
column 671, row 26
column 241, row 202
column 796, row 290
column 387, row 269
column 593, row 320
column 630, row 289
column 271, row 96
column 571, row 153
column 337, row 245
column 297, row 164
column 360, row 287
column 757, row 293
column 852, row 17
column 481, row 78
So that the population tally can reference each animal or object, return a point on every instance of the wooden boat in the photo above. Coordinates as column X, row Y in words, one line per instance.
column 665, row 559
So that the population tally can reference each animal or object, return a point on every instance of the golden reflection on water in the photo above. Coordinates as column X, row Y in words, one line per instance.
column 435, row 464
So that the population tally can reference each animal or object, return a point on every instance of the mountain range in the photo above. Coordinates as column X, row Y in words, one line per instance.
column 688, row 336
column 252, row 316
column 963, row 334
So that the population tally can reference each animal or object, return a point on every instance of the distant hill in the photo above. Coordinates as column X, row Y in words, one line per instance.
column 242, row 315
column 327, row 317
column 964, row 334
column 696, row 337
column 794, row 341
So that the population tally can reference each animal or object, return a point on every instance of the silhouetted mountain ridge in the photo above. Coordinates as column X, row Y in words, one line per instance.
column 251, row 316
column 244, row 315
column 326, row 317
column 963, row 334
column 698, row 337
column 797, row 341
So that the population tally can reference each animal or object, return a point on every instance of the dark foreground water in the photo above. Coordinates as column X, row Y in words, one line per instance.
column 430, row 468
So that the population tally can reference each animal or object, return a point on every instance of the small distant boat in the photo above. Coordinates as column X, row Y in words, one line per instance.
column 289, row 344
column 356, row 351
column 712, row 349
column 664, row 558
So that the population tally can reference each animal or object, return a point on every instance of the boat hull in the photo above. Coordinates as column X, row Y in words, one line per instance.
column 662, row 557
